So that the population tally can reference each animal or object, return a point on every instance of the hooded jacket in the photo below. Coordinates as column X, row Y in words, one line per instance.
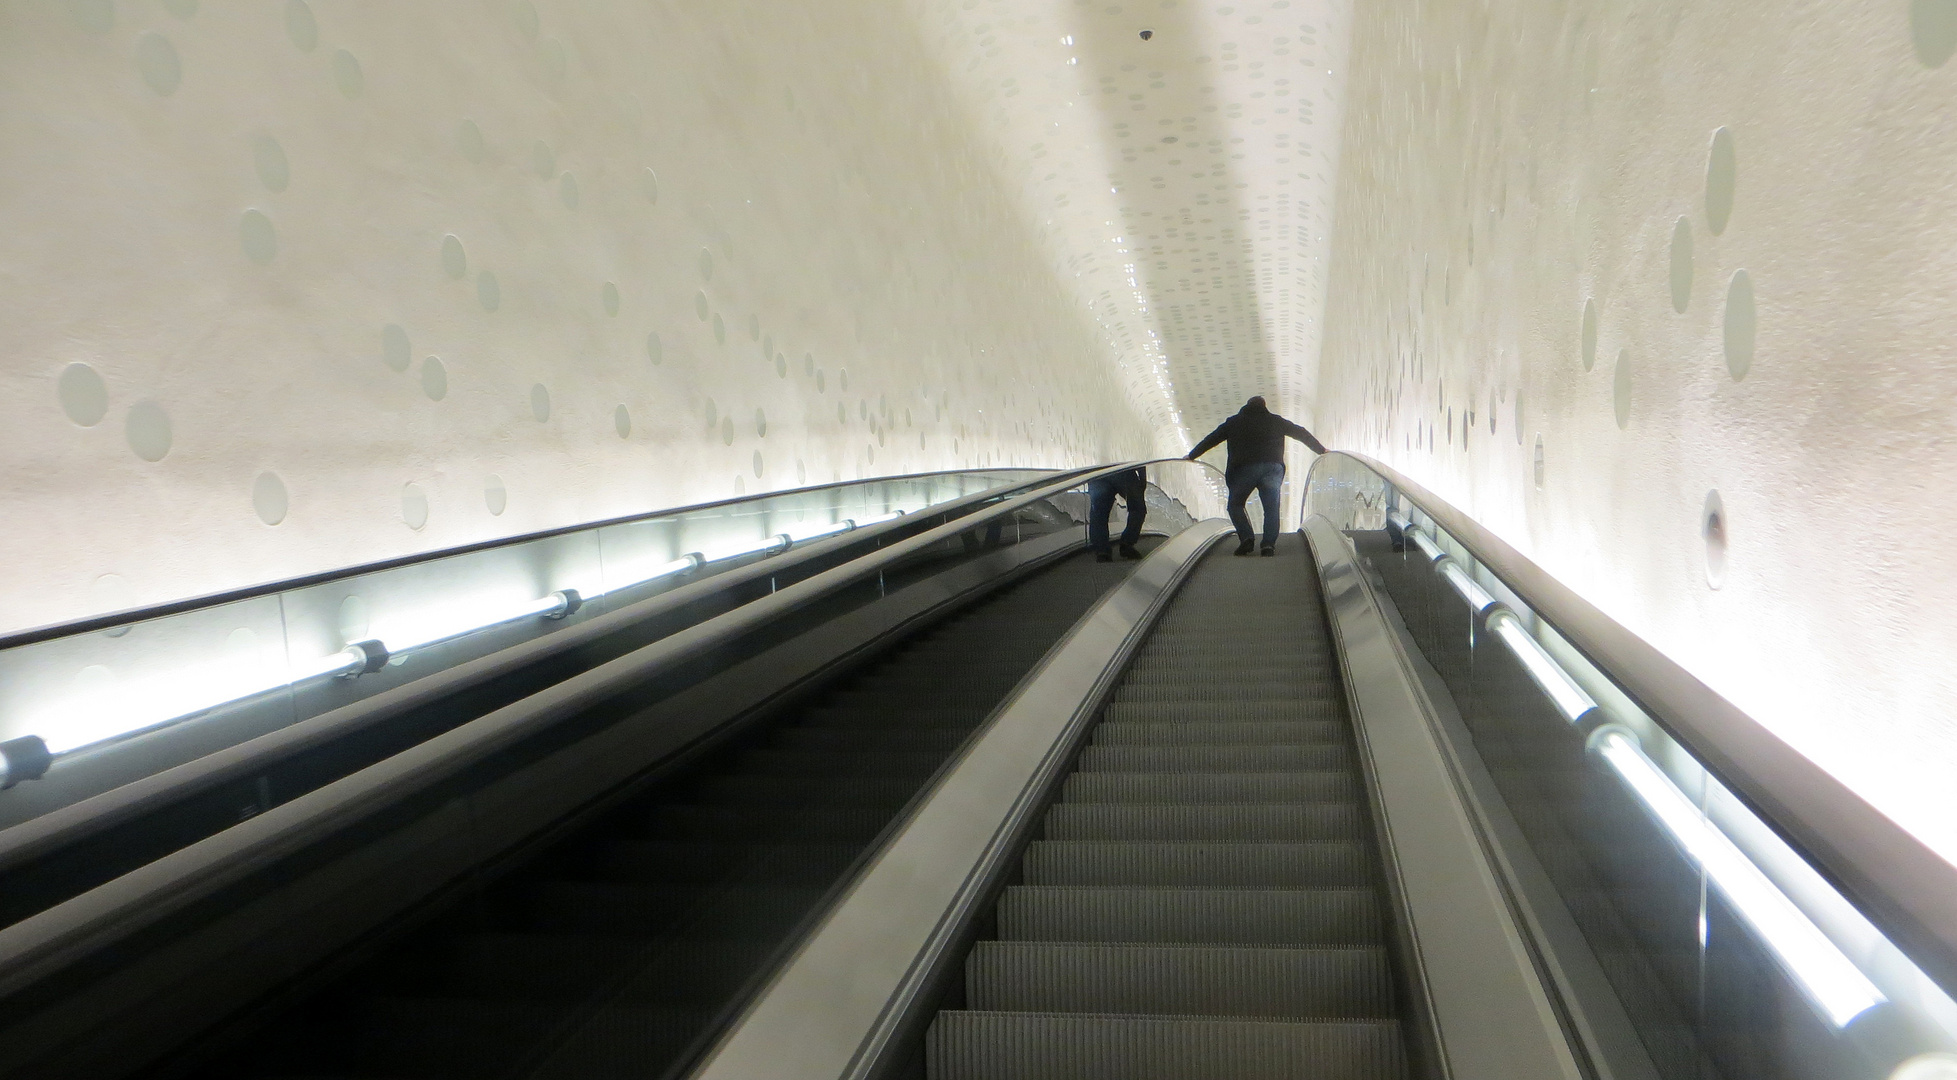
column 1256, row 435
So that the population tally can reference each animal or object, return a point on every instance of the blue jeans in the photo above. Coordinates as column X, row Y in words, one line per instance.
column 1266, row 478
column 1100, row 506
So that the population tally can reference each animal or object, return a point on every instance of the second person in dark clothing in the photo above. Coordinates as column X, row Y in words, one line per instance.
column 1132, row 486
column 1256, row 463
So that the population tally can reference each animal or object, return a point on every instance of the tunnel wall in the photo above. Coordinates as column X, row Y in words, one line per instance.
column 292, row 286
column 1604, row 271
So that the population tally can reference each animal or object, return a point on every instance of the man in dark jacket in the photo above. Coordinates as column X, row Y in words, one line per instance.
column 1132, row 486
column 1256, row 439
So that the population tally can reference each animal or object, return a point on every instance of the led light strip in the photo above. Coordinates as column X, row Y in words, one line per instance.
column 192, row 691
column 1830, row 978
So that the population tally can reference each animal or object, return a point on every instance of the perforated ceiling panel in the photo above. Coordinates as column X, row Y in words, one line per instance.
column 1182, row 181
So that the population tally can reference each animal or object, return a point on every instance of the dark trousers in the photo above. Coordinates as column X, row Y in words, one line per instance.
column 1100, row 506
column 1266, row 478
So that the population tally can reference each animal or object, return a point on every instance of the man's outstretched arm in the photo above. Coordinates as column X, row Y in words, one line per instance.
column 1209, row 442
column 1299, row 433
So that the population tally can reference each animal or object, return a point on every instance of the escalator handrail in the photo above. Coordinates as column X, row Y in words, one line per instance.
column 68, row 824
column 48, row 941
column 109, row 620
column 1897, row 881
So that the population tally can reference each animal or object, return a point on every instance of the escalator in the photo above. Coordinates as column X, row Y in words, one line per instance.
column 615, row 951
column 1204, row 900
column 968, row 805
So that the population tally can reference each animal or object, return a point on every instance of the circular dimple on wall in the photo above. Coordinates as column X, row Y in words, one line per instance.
column 542, row 160
column 1539, row 463
column 719, row 330
column 300, row 26
column 781, row 366
column 1722, row 175
column 843, row 376
column 84, row 396
column 539, row 402
column 821, row 379
column 655, row 349
column 757, row 464
column 552, row 60
column 712, row 416
column 1712, row 529
column 268, row 498
column 494, row 495
column 1620, row 389
column 348, row 76
column 649, row 182
column 524, row 13
column 353, row 619
column 1933, row 30
column 414, row 506
column 469, row 140
column 256, row 235
column 268, row 157
column 455, row 261
column 608, row 296
column 157, row 59
column 567, row 191
column 1589, row 334
column 488, row 293
column 1681, row 271
column 760, row 424
column 622, row 422
column 700, row 305
column 148, row 430
column 434, row 379
column 395, row 351
column 727, row 430
column 1740, row 325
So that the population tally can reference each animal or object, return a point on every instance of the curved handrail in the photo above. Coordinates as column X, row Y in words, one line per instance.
column 1899, row 883
column 108, row 620
column 42, row 943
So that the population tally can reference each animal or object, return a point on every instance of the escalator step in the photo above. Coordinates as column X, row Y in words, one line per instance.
column 1037, row 1046
column 1178, row 980
column 1195, row 915
column 1220, row 733
column 1101, row 862
column 1288, row 710
column 1246, row 758
column 1280, row 823
column 1210, row 787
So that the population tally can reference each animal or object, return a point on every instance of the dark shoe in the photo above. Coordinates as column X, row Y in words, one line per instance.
column 1102, row 556
column 1269, row 551
column 1128, row 552
column 1245, row 548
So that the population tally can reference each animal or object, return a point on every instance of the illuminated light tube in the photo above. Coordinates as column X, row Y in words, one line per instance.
column 843, row 526
column 195, row 689
column 420, row 631
column 1427, row 547
column 1476, row 596
column 880, row 518
column 1828, row 976
column 1570, row 698
column 772, row 545
column 681, row 565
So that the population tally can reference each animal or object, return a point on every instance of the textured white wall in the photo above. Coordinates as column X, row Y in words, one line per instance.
column 699, row 249
column 1512, row 165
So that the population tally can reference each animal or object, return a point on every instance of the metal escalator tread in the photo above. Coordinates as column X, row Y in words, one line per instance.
column 1204, row 901
column 616, row 952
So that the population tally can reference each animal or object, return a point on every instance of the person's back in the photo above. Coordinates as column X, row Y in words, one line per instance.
column 1255, row 438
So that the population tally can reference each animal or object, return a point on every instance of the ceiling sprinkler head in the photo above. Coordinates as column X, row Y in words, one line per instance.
column 1146, row 34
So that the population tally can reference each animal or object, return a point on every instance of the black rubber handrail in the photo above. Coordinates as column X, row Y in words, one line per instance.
column 109, row 620
column 1896, row 880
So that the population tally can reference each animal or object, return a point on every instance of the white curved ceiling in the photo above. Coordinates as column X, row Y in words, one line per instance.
column 1182, row 183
